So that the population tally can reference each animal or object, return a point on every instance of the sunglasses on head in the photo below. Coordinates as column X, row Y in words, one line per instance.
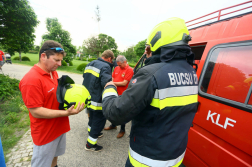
column 57, row 49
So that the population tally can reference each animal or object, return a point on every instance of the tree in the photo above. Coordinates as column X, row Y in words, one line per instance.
column 90, row 46
column 96, row 45
column 140, row 48
column 130, row 54
column 18, row 22
column 106, row 42
column 56, row 33
column 37, row 48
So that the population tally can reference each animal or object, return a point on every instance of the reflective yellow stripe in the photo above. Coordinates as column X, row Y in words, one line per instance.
column 138, row 160
column 179, row 163
column 95, row 107
column 92, row 72
column 88, row 128
column 174, row 101
column 155, row 103
column 109, row 90
column 92, row 140
column 135, row 163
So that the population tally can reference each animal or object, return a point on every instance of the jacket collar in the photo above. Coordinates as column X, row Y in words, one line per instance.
column 110, row 64
column 177, row 52
column 166, row 54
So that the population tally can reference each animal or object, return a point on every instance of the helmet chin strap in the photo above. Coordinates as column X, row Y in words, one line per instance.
column 61, row 107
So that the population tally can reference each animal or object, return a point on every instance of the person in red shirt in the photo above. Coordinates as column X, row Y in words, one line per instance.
column 121, row 77
column 1, row 59
column 48, row 124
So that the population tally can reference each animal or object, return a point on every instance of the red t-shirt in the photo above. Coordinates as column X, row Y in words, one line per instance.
column 120, row 75
column 39, row 90
column 1, row 55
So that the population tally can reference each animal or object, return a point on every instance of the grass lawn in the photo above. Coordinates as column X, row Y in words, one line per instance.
column 14, row 116
column 35, row 58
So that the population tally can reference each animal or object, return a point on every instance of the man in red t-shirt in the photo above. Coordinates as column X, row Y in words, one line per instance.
column 121, row 77
column 48, row 124
column 1, row 59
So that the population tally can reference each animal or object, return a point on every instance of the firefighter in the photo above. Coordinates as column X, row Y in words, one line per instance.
column 96, row 74
column 161, row 99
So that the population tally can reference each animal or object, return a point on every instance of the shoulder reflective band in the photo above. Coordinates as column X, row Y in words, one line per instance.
column 109, row 92
column 175, row 96
column 138, row 160
column 92, row 70
column 95, row 105
column 92, row 140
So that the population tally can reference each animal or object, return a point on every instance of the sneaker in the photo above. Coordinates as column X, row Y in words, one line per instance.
column 95, row 148
column 100, row 135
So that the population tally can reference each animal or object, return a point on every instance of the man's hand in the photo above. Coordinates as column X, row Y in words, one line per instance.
column 123, row 83
column 72, row 111
column 109, row 83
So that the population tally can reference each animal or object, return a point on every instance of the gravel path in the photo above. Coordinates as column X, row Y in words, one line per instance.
column 114, row 153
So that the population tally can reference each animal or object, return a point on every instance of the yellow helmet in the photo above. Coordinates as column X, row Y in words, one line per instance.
column 69, row 94
column 168, row 33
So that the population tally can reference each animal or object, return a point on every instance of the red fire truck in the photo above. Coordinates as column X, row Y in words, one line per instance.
column 221, row 134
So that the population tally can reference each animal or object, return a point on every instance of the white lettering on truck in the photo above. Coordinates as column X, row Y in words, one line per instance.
column 227, row 121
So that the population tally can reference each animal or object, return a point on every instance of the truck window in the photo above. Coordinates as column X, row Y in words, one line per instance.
column 229, row 73
column 198, row 51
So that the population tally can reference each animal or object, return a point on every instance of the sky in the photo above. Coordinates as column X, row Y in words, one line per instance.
column 127, row 21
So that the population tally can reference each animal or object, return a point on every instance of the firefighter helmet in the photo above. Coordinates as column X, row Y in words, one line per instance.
column 171, row 32
column 69, row 94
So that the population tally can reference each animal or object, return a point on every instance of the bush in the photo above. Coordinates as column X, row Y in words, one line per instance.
column 91, row 59
column 14, row 117
column 16, row 58
column 8, row 86
column 81, row 67
column 33, row 52
column 64, row 63
column 25, row 58
column 68, row 59
column 11, row 118
column 132, row 65
column 70, row 63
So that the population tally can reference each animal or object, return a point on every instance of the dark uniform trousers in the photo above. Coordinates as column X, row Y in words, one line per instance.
column 96, row 124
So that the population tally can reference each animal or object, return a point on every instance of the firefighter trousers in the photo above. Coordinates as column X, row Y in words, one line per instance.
column 96, row 124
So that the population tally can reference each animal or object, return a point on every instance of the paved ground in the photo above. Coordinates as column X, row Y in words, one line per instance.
column 114, row 153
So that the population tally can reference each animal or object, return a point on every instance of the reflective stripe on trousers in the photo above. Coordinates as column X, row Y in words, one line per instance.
column 138, row 160
column 95, row 105
column 88, row 128
column 92, row 140
column 175, row 96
